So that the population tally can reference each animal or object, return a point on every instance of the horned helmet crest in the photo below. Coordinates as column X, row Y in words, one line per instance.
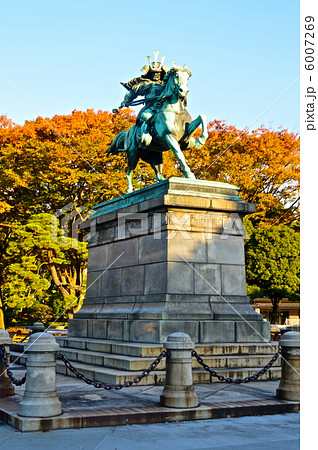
column 155, row 65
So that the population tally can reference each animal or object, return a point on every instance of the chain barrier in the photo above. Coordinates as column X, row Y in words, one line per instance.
column 4, row 360
column 236, row 380
column 145, row 373
column 118, row 386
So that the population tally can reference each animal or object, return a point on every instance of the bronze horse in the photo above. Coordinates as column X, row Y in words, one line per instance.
column 171, row 127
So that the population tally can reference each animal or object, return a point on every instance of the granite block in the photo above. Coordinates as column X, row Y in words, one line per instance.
column 96, row 346
column 153, row 250
column 217, row 331
column 132, row 279
column 230, row 299
column 233, row 280
column 123, row 253
column 97, row 258
column 227, row 311
column 111, row 282
column 109, row 217
column 94, row 283
column 225, row 249
column 144, row 331
column 77, row 327
column 180, row 278
column 253, row 331
column 207, row 279
column 89, row 310
column 182, row 249
column 97, row 329
column 106, row 234
column 190, row 327
column 115, row 329
column 156, row 278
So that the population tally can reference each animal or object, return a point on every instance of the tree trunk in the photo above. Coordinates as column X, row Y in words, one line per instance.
column 274, row 313
column 2, row 322
column 57, row 281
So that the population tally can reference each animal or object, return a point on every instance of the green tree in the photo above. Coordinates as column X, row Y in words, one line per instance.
column 39, row 264
column 272, row 264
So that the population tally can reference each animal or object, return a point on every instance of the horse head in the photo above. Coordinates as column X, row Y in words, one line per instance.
column 175, row 82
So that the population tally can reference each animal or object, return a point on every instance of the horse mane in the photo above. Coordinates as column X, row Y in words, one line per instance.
column 167, row 77
column 173, row 70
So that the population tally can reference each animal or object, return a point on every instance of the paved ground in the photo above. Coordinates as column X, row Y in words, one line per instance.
column 278, row 432
column 76, row 395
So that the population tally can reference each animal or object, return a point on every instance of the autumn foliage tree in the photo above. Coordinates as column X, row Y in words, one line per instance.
column 264, row 163
column 48, row 163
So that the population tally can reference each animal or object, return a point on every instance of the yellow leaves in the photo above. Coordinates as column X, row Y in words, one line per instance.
column 4, row 207
column 64, row 159
column 264, row 163
column 48, row 163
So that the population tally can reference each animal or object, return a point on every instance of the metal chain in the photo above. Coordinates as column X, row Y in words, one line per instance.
column 236, row 380
column 4, row 360
column 118, row 386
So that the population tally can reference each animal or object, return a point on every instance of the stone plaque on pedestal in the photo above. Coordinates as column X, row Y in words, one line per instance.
column 169, row 258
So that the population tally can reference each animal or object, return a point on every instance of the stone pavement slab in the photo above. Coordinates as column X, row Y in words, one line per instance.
column 279, row 432
column 86, row 406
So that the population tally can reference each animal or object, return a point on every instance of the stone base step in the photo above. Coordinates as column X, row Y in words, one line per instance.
column 113, row 376
column 118, row 361
column 153, row 350
column 133, row 363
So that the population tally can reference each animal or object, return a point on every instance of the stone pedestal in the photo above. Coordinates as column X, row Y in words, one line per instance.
column 169, row 258
column 6, row 388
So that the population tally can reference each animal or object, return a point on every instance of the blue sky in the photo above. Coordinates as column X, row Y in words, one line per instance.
column 66, row 55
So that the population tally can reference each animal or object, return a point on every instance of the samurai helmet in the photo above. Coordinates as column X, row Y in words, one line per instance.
column 155, row 65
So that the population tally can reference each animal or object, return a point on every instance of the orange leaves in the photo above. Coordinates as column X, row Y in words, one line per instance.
column 48, row 163
column 5, row 122
column 264, row 163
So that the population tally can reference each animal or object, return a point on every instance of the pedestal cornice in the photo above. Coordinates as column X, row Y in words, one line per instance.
column 178, row 192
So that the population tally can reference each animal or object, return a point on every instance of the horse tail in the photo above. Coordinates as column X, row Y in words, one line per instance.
column 117, row 144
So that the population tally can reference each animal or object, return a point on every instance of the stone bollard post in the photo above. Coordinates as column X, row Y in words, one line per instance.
column 40, row 397
column 289, row 386
column 179, row 390
column 38, row 327
column 6, row 388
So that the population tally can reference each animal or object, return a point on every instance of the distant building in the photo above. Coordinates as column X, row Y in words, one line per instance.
column 288, row 311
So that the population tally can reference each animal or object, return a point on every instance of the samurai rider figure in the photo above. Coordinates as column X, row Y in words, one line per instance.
column 149, row 86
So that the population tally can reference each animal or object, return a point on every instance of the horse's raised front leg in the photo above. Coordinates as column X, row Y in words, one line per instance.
column 175, row 147
column 192, row 126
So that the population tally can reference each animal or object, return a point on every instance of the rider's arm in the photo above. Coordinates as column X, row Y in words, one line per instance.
column 129, row 97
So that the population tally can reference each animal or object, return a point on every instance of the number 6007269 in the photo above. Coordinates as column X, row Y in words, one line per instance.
column 309, row 44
